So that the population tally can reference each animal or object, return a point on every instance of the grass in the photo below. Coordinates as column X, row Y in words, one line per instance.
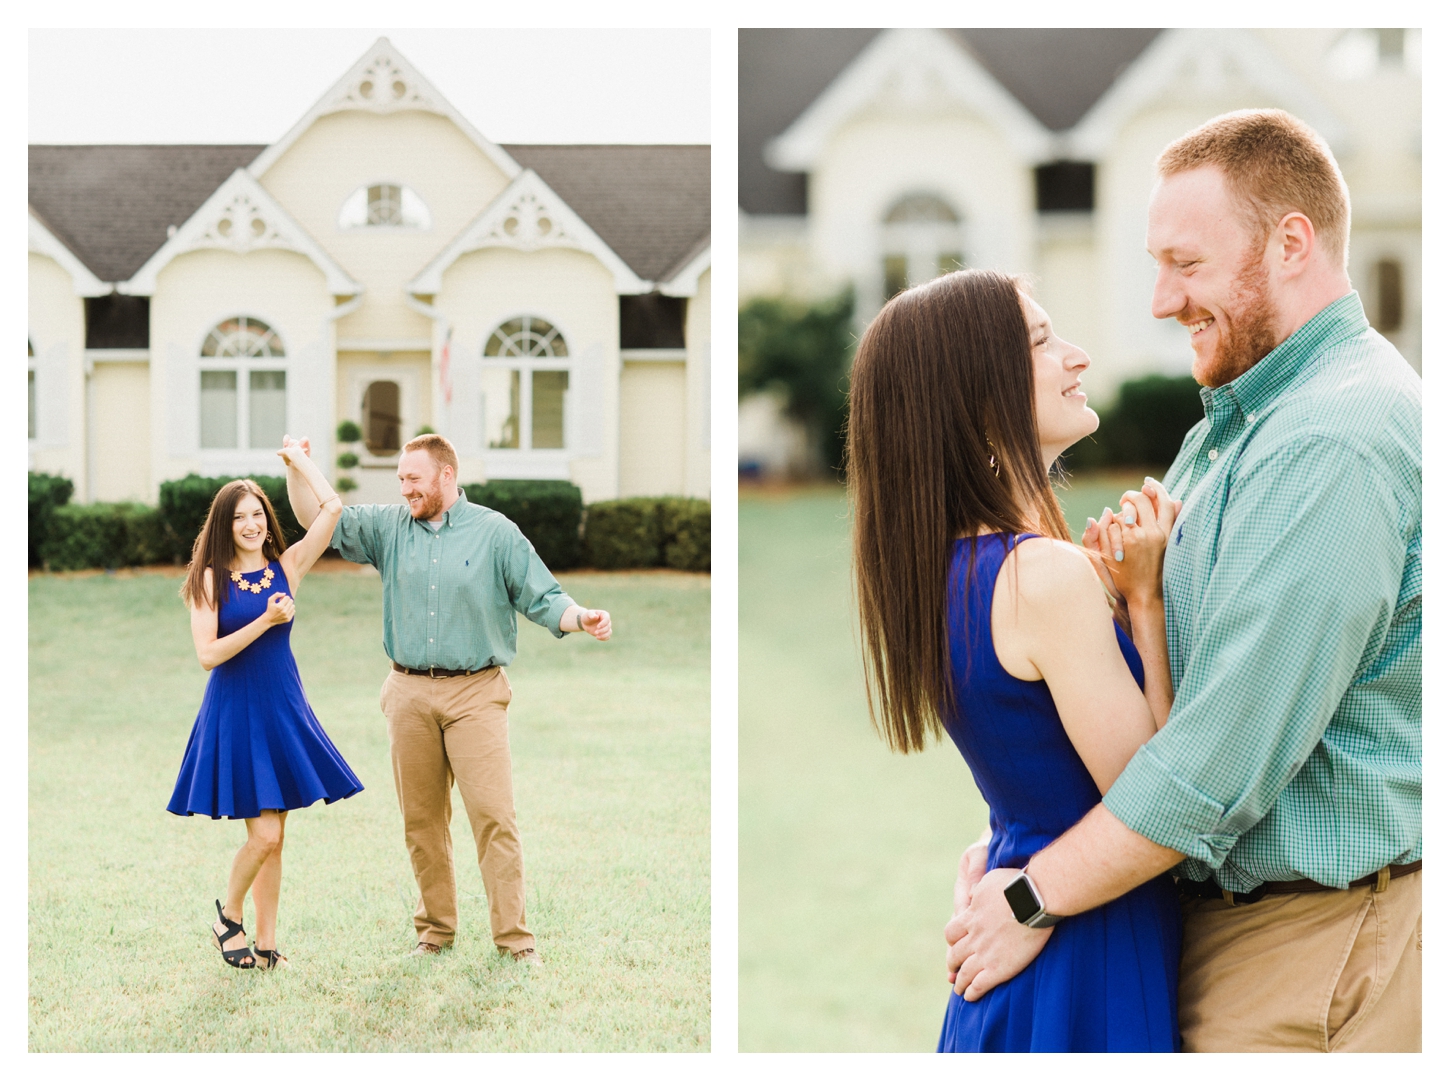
column 611, row 773
column 847, row 852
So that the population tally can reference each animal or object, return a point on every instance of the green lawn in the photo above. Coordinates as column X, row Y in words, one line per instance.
column 611, row 774
column 847, row 852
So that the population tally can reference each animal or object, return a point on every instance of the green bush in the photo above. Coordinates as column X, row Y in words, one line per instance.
column 46, row 494
column 346, row 460
column 547, row 512
column 106, row 535
column 185, row 503
column 622, row 533
column 1145, row 428
column 685, row 531
column 348, row 431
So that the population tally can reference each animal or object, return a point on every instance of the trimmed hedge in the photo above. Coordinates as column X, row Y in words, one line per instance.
column 104, row 535
column 185, row 503
column 685, row 525
column 1145, row 428
column 47, row 493
column 547, row 512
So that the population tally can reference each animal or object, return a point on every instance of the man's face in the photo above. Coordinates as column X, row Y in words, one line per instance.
column 421, row 481
column 1212, row 276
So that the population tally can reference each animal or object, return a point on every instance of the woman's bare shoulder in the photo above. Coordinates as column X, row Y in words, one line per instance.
column 1052, row 571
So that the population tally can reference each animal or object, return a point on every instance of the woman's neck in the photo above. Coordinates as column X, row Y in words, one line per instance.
column 248, row 562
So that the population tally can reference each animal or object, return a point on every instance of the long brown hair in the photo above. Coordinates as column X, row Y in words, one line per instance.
column 215, row 548
column 941, row 442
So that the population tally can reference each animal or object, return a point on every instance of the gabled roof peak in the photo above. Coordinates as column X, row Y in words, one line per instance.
column 383, row 81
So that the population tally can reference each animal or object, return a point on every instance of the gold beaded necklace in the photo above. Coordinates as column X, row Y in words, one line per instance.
column 255, row 587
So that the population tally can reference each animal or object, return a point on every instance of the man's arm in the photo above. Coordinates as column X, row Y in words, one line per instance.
column 299, row 493
column 593, row 621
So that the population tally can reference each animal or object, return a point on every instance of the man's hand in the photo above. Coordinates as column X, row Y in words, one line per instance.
column 992, row 946
column 595, row 621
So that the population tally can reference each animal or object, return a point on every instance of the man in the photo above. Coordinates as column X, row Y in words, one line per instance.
column 453, row 575
column 1286, row 783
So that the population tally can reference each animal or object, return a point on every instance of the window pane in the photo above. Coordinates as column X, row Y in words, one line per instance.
column 267, row 410
column 500, row 407
column 1390, row 296
column 382, row 418
column 548, row 409
column 384, row 205
column 948, row 262
column 219, row 409
column 32, row 403
column 894, row 272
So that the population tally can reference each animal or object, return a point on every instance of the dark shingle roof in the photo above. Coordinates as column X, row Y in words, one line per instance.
column 110, row 205
column 651, row 204
column 1058, row 74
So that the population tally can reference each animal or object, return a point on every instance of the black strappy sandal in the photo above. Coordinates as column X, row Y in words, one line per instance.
column 236, row 958
column 270, row 959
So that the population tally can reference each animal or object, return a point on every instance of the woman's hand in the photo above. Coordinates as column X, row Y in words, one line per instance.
column 1132, row 541
column 280, row 609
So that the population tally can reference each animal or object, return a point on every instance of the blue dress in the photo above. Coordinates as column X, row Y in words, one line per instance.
column 256, row 744
column 1107, row 980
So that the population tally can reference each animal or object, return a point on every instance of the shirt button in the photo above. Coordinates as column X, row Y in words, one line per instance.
column 1251, row 418
column 430, row 639
column 1211, row 456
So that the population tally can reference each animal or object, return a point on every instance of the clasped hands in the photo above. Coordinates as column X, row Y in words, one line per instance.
column 1130, row 543
column 985, row 943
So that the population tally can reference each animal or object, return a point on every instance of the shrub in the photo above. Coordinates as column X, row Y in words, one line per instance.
column 622, row 533
column 1145, row 428
column 101, row 535
column 685, row 531
column 185, row 503
column 348, row 431
column 547, row 512
column 346, row 460
column 146, row 540
column 46, row 494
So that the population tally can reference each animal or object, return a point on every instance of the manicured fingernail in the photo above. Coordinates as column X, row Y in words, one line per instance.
column 1118, row 555
column 1107, row 511
column 1130, row 516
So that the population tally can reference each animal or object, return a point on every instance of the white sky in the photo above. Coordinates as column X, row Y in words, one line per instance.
column 251, row 86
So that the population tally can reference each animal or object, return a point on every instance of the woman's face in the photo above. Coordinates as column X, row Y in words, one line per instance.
column 249, row 524
column 1063, row 416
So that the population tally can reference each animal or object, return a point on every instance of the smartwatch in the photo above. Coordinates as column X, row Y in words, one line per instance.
column 1027, row 904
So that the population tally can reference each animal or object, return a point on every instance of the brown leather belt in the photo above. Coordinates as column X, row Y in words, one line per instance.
column 440, row 673
column 1209, row 890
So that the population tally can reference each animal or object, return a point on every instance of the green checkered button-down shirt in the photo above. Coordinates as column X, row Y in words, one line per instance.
column 1292, row 587
column 449, row 597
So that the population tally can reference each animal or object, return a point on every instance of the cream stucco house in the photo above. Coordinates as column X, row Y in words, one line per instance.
column 545, row 307
column 876, row 159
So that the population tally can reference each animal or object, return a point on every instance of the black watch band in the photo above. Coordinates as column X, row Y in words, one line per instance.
column 1026, row 903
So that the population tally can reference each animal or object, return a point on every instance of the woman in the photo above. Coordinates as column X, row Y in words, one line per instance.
column 256, row 750
column 962, row 398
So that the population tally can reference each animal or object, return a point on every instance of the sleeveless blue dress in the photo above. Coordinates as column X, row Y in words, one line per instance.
column 256, row 744
column 1107, row 980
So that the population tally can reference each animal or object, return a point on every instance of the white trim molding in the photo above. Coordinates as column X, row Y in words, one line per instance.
column 241, row 216
column 1210, row 58
column 672, row 356
column 685, row 282
column 384, row 81
column 907, row 66
column 528, row 215
column 385, row 345
column 131, row 356
column 83, row 281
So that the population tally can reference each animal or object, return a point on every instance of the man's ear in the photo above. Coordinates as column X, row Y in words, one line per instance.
column 1297, row 243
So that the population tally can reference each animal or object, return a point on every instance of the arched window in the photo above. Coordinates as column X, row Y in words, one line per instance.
column 242, row 389
column 375, row 205
column 921, row 237
column 525, row 385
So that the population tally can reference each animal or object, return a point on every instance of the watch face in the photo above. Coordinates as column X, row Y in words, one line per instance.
column 1024, row 902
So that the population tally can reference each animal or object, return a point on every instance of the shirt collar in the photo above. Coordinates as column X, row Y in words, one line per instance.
column 1267, row 379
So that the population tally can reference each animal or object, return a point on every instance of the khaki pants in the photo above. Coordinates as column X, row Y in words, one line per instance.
column 442, row 730
column 1331, row 971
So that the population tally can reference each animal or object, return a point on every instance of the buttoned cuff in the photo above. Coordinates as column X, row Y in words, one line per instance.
column 557, row 607
column 1150, row 799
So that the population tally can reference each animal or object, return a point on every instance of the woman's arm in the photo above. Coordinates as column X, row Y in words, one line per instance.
column 1140, row 533
column 211, row 650
column 1050, row 621
column 302, row 472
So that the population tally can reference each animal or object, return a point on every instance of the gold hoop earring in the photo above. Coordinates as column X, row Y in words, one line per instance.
column 992, row 459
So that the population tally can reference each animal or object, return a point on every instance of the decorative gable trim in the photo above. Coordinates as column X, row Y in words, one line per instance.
column 901, row 65
column 684, row 278
column 83, row 281
column 383, row 81
column 1208, row 56
column 241, row 216
column 528, row 215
